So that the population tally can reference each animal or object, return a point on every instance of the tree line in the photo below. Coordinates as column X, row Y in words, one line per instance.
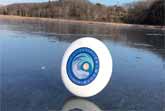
column 142, row 12
column 146, row 12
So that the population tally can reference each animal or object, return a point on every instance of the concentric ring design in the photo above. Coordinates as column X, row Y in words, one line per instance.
column 83, row 66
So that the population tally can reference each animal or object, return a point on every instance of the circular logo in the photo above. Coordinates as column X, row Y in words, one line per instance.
column 83, row 66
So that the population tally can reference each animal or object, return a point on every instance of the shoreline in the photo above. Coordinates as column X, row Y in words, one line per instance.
column 13, row 17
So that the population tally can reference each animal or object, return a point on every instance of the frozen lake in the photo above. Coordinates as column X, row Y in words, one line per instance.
column 31, row 54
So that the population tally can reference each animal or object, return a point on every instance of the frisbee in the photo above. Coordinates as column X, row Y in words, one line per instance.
column 86, row 67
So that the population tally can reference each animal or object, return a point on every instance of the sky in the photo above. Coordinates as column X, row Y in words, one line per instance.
column 105, row 2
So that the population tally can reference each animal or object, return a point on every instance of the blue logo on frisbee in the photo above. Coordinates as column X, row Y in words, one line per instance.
column 83, row 66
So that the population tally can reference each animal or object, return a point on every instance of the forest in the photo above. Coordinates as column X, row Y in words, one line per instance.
column 148, row 12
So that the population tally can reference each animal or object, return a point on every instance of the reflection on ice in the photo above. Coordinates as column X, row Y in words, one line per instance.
column 154, row 34
column 80, row 105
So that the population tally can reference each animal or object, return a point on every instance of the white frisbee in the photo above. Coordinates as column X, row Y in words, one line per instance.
column 86, row 67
